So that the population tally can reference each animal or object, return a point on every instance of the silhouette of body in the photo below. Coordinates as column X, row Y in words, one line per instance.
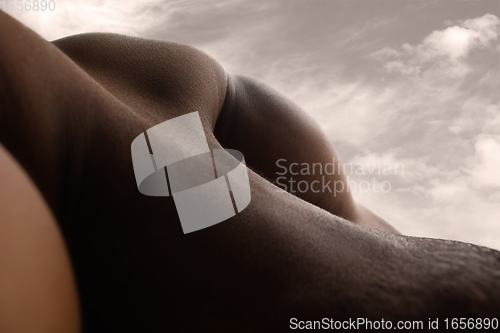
column 69, row 112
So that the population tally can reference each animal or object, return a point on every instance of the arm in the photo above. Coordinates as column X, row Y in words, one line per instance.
column 35, row 118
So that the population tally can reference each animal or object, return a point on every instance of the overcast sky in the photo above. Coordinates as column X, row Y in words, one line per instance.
column 412, row 82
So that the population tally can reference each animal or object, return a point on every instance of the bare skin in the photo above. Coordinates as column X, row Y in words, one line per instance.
column 69, row 112
column 37, row 286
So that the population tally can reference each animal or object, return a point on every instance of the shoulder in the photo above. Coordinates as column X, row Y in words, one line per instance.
column 160, row 70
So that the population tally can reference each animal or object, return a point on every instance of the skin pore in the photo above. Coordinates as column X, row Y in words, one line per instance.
column 69, row 112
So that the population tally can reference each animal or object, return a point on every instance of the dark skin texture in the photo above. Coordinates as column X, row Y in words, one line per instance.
column 69, row 112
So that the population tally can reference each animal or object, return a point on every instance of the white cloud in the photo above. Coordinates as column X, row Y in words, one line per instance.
column 128, row 17
column 77, row 16
column 444, row 192
column 443, row 52
column 410, row 170
column 492, row 117
column 442, row 124
column 399, row 66
column 476, row 115
column 352, row 112
column 450, row 210
column 455, row 203
column 487, row 28
column 495, row 197
column 453, row 42
column 486, row 169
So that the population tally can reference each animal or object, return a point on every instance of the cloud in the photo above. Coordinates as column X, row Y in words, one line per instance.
column 486, row 169
column 477, row 114
column 440, row 207
column 412, row 171
column 77, row 16
column 443, row 192
column 130, row 17
column 443, row 52
column 352, row 112
column 457, row 202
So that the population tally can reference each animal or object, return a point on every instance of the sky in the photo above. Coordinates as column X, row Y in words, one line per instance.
column 411, row 83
